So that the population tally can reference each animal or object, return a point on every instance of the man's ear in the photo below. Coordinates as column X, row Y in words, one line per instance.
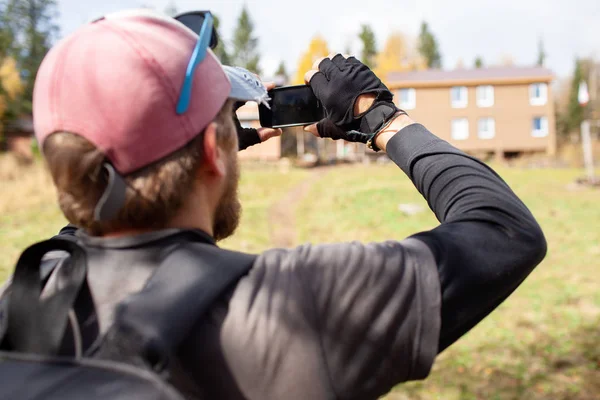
column 214, row 157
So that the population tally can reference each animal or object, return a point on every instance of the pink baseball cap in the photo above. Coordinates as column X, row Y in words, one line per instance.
column 116, row 82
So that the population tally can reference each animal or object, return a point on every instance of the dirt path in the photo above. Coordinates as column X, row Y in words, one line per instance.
column 282, row 214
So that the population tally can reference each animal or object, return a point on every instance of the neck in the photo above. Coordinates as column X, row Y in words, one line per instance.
column 194, row 214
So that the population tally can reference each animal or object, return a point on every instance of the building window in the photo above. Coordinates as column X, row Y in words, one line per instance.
column 487, row 128
column 459, row 97
column 485, row 96
column 540, row 127
column 408, row 98
column 460, row 129
column 538, row 94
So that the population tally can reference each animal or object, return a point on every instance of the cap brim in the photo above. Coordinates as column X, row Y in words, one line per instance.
column 245, row 86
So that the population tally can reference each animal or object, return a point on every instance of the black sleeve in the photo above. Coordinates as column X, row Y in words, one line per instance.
column 246, row 136
column 488, row 241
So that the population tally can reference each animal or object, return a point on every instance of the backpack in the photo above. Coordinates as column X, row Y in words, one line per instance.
column 51, row 348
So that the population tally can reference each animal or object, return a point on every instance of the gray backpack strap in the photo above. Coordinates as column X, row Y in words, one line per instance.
column 150, row 325
column 43, row 325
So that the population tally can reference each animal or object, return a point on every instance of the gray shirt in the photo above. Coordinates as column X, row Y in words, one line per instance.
column 315, row 322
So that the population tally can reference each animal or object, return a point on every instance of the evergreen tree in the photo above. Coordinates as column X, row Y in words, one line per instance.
column 428, row 47
column 282, row 73
column 575, row 110
column 32, row 25
column 478, row 62
column 221, row 49
column 541, row 53
column 245, row 44
column 369, row 49
column 6, row 34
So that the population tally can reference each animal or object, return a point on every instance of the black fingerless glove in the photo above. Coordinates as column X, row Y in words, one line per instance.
column 337, row 85
column 246, row 136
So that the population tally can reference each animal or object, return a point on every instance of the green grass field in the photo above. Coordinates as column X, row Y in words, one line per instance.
column 542, row 343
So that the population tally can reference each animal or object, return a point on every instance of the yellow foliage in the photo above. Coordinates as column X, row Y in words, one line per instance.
column 398, row 55
column 316, row 49
column 10, row 80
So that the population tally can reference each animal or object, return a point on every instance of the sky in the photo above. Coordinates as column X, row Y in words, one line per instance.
column 464, row 29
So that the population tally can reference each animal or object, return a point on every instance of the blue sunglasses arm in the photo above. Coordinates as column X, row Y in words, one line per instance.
column 197, row 57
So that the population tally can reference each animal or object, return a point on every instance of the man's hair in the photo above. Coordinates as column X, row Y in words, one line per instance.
column 154, row 193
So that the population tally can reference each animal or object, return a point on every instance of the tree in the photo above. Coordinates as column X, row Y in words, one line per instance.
column 590, row 70
column 541, row 53
column 245, row 44
column 397, row 56
column 316, row 49
column 428, row 47
column 11, row 87
column 10, row 80
column 221, row 49
column 171, row 9
column 478, row 62
column 575, row 115
column 460, row 64
column 369, row 47
column 561, row 94
column 6, row 34
column 281, row 74
column 31, row 23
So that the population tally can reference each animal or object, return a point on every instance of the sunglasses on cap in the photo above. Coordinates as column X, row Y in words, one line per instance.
column 201, row 22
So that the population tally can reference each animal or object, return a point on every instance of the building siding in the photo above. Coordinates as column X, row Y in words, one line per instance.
column 511, row 111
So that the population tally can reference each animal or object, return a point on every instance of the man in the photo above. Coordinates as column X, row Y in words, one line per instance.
column 344, row 321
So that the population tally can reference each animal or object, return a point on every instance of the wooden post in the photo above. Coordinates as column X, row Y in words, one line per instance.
column 322, row 151
column 299, row 142
column 588, row 158
column 499, row 154
column 362, row 149
column 340, row 149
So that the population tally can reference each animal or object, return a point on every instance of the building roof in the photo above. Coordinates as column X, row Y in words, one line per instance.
column 491, row 75
column 23, row 124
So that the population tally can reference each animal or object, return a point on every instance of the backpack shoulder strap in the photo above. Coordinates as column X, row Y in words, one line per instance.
column 150, row 325
column 38, row 325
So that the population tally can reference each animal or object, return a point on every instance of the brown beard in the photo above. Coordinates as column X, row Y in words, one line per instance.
column 229, row 210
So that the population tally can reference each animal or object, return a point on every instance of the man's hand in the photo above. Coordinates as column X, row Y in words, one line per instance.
column 268, row 133
column 251, row 136
column 357, row 104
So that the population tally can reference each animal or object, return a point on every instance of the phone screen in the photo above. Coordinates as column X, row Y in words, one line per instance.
column 295, row 105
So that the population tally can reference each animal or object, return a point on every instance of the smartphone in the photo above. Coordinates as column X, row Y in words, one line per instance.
column 291, row 106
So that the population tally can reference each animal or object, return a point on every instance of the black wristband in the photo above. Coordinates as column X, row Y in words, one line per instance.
column 372, row 144
column 377, row 116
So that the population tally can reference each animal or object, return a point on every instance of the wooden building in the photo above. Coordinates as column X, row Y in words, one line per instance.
column 499, row 110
